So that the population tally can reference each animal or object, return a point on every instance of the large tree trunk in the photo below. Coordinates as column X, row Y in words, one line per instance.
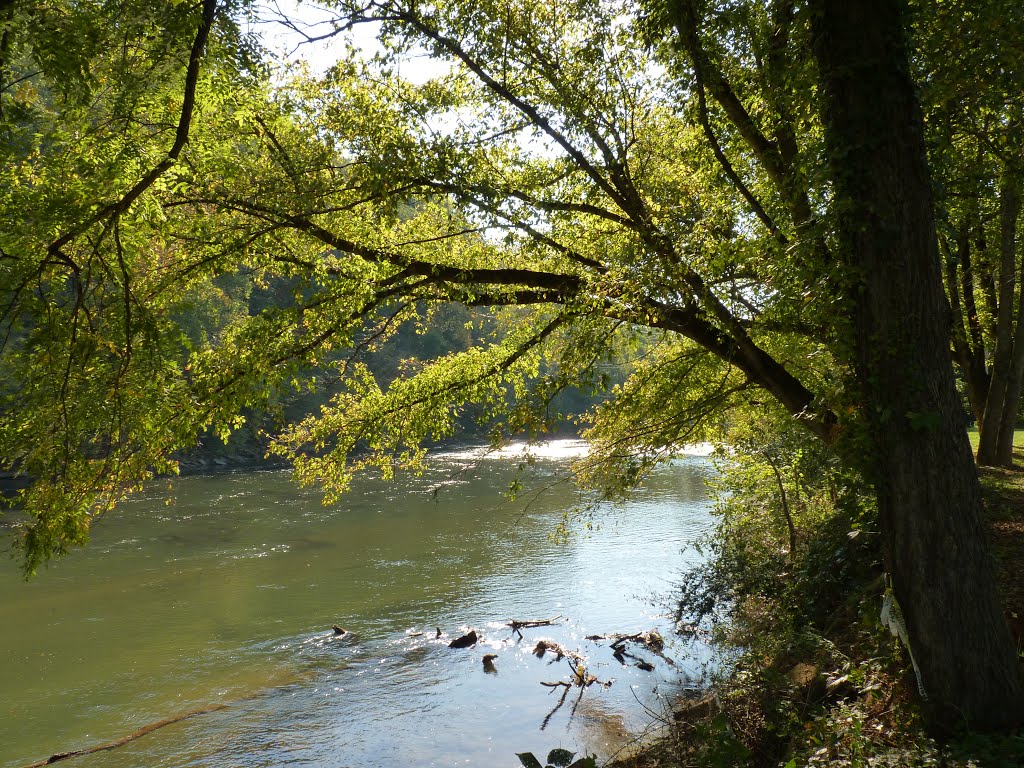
column 928, row 494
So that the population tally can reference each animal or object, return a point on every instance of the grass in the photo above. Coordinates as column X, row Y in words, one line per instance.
column 1018, row 438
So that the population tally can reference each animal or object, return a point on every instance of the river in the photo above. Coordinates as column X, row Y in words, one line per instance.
column 227, row 595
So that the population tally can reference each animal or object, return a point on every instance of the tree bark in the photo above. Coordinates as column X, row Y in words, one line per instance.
column 1009, row 210
column 928, row 494
column 1001, row 386
column 969, row 350
column 980, row 376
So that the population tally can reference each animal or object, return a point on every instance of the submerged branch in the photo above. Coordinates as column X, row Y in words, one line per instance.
column 129, row 738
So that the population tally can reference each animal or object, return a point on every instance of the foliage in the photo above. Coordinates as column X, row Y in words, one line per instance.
column 975, row 149
column 774, row 474
column 807, row 675
column 644, row 180
column 773, row 606
column 96, row 110
column 177, row 178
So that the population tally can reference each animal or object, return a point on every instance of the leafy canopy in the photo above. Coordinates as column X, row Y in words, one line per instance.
column 612, row 180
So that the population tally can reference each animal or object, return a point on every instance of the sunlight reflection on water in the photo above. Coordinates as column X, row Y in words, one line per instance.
column 229, row 595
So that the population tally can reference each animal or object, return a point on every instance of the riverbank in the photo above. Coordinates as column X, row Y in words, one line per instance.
column 842, row 694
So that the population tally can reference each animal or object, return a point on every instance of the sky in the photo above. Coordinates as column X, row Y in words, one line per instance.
column 300, row 30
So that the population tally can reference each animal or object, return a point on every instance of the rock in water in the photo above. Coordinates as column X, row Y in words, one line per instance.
column 489, row 663
column 339, row 631
column 465, row 641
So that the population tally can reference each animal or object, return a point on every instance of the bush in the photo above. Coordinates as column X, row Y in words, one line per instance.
column 790, row 594
column 796, row 531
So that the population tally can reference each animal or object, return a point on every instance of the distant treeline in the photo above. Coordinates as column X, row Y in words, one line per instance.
column 210, row 309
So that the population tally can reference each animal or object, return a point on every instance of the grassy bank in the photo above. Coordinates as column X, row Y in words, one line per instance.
column 813, row 678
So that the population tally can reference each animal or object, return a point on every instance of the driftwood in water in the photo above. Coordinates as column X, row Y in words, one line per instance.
column 130, row 737
column 651, row 641
column 550, row 646
column 410, row 633
column 621, row 654
column 561, row 701
column 519, row 624
column 580, row 679
column 467, row 640
column 339, row 631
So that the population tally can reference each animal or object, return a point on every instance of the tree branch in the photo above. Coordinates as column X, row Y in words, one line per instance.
column 115, row 209
column 531, row 112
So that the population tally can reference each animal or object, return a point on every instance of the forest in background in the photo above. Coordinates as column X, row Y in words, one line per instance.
column 209, row 309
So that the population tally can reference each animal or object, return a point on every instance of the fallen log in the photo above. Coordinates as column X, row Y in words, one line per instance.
column 130, row 737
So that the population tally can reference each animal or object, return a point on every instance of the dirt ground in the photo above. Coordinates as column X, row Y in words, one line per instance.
column 1004, row 503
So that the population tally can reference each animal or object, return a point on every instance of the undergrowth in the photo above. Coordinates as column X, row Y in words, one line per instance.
column 790, row 595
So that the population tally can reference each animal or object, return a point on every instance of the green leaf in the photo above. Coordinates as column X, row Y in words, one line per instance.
column 924, row 421
column 560, row 757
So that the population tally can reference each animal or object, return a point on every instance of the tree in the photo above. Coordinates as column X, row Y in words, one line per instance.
column 975, row 142
column 928, row 495
column 556, row 173
column 98, row 112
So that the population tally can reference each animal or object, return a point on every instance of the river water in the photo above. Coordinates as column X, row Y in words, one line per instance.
column 227, row 596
